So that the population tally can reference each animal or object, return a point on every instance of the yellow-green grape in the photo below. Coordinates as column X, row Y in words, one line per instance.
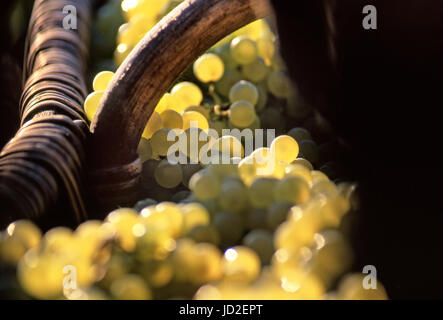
column 194, row 119
column 279, row 84
column 285, row 148
column 194, row 214
column 183, row 260
column 168, row 102
column 242, row 114
column 264, row 162
column 171, row 119
column 209, row 68
column 209, row 264
column 102, row 80
column 218, row 125
column 300, row 171
column 294, row 234
column 262, row 97
column 325, row 187
column 204, row 233
column 255, row 71
column 165, row 216
column 168, row 175
column 91, row 104
column 127, row 35
column 256, row 124
column 299, row 134
column 26, row 232
column 229, row 226
column 229, row 145
column 57, row 239
column 225, row 172
column 156, row 273
column 256, row 219
column 144, row 150
column 303, row 162
column 243, row 49
column 123, row 220
column 194, row 142
column 205, row 185
column 292, row 189
column 247, row 170
column 351, row 288
column 154, row 124
column 245, row 91
column 332, row 256
column 227, row 81
column 162, row 140
column 277, row 214
column 234, row 196
column 224, row 52
column 151, row 7
column 154, row 241
column 130, row 287
column 266, row 49
column 121, row 53
column 11, row 249
column 187, row 94
column 241, row 264
column 204, row 111
column 309, row 150
column 261, row 192
column 41, row 275
column 262, row 242
column 189, row 170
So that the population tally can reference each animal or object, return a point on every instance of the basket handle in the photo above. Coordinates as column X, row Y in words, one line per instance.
column 146, row 74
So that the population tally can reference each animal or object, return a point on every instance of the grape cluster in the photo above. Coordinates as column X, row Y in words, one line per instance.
column 268, row 223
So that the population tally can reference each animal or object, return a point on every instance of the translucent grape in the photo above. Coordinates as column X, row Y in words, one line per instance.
column 91, row 104
column 209, row 68
column 162, row 140
column 194, row 215
column 203, row 110
column 241, row 264
column 227, row 81
column 300, row 171
column 205, row 185
column 144, row 150
column 167, row 102
column 102, row 80
column 262, row 242
column 242, row 114
column 187, row 94
column 154, row 124
column 278, row 213
column 279, row 84
column 229, row 226
column 224, row 52
column 195, row 119
column 261, row 192
column 266, row 49
column 262, row 97
column 130, row 287
column 303, row 162
column 230, row 146
column 292, row 189
column 351, row 288
column 255, row 71
column 244, row 90
column 123, row 220
column 285, row 148
column 168, row 175
column 243, row 50
column 188, row 171
column 204, row 233
column 234, row 196
column 171, row 119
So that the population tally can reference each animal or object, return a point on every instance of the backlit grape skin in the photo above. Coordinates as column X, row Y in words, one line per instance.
column 208, row 68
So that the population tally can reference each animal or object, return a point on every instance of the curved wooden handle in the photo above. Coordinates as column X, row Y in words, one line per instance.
column 149, row 71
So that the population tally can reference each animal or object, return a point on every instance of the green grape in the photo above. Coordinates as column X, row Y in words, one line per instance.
column 26, row 232
column 278, row 213
column 144, row 150
column 162, row 140
column 285, row 148
column 227, row 81
column 279, row 84
column 244, row 90
column 208, row 264
column 91, row 104
column 318, row 176
column 194, row 214
column 309, row 150
column 200, row 109
column 102, row 80
column 171, row 119
column 188, row 171
column 292, row 189
column 225, row 171
column 300, row 134
column 266, row 49
column 247, row 170
column 261, row 192
column 256, row 219
column 325, row 187
column 205, row 185
column 140, row 205
column 229, row 145
column 243, row 50
column 255, row 71
column 168, row 102
column 204, row 233
column 209, row 68
column 194, row 142
column 224, row 52
column 262, row 242
column 156, row 273
column 168, row 175
column 262, row 97
column 123, row 220
column 187, row 94
column 195, row 119
column 242, row 114
column 154, row 124
column 303, row 162
column 229, row 226
column 130, row 287
column 121, row 52
column 234, row 196
column 241, row 264
column 300, row 171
